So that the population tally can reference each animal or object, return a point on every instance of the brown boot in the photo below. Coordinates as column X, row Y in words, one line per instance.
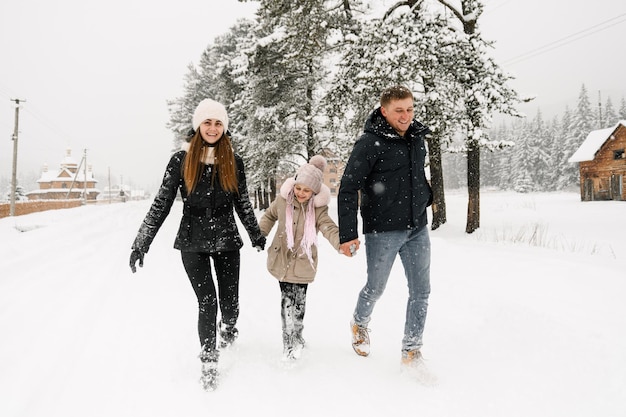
column 360, row 339
column 411, row 357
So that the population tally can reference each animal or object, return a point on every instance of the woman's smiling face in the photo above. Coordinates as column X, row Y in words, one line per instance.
column 211, row 130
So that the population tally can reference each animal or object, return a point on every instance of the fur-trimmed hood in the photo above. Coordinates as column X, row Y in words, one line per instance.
column 320, row 199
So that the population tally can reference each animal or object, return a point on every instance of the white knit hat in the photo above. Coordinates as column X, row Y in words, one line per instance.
column 311, row 174
column 210, row 109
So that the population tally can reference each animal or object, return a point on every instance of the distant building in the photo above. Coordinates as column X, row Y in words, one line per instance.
column 333, row 172
column 122, row 193
column 603, row 164
column 68, row 182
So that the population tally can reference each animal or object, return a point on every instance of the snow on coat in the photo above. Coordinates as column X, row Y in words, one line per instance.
column 282, row 263
column 208, row 223
column 389, row 171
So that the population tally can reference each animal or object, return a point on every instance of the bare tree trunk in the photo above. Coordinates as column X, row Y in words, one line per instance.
column 436, row 182
column 468, row 17
column 473, row 189
column 272, row 189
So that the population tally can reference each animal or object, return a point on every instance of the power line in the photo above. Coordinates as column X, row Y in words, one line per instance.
column 566, row 40
column 49, row 124
column 491, row 9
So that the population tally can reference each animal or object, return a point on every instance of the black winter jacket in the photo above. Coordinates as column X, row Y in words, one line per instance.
column 388, row 170
column 208, row 223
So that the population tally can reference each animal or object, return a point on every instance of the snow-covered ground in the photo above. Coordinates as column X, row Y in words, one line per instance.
column 514, row 328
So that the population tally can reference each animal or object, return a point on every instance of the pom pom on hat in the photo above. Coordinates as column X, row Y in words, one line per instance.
column 311, row 174
column 210, row 109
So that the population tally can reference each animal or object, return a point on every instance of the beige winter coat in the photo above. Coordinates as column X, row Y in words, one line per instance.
column 282, row 263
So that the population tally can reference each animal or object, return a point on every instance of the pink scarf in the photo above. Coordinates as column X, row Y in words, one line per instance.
column 309, row 237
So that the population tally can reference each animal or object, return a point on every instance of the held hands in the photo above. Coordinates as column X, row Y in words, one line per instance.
column 350, row 248
column 259, row 244
column 136, row 255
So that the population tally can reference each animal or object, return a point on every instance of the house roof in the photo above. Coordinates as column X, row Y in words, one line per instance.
column 64, row 174
column 592, row 144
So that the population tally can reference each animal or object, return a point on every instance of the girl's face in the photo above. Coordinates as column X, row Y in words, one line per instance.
column 302, row 193
column 211, row 131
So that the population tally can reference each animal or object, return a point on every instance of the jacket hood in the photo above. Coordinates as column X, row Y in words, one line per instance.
column 320, row 199
column 378, row 125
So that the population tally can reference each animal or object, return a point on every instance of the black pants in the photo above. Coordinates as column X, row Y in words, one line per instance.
column 293, row 305
column 198, row 267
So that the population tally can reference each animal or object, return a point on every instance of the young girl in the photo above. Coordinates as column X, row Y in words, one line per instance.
column 301, row 210
column 212, row 182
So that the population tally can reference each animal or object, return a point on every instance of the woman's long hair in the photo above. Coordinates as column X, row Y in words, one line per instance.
column 224, row 162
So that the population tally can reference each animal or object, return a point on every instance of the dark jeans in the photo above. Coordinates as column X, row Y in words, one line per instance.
column 198, row 267
column 292, row 309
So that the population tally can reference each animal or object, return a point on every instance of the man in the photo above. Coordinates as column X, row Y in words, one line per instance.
column 387, row 167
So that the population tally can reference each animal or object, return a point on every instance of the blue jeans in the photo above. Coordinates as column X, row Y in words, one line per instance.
column 381, row 249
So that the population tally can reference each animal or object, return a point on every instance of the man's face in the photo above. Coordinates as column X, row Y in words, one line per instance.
column 399, row 114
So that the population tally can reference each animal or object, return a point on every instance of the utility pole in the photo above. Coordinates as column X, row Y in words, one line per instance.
column 14, row 171
column 600, row 110
column 85, row 182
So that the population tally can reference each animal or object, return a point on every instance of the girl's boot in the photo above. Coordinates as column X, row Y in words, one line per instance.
column 210, row 375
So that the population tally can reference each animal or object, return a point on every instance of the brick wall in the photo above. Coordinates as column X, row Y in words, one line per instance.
column 26, row 207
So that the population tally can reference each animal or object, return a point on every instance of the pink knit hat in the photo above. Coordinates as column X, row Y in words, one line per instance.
column 311, row 174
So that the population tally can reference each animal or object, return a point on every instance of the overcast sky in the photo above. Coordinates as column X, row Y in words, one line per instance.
column 97, row 75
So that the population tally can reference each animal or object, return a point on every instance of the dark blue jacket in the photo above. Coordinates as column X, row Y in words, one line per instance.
column 388, row 170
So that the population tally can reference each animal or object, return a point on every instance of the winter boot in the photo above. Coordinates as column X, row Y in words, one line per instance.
column 413, row 363
column 411, row 357
column 360, row 339
column 228, row 334
column 210, row 375
column 289, row 347
column 298, row 339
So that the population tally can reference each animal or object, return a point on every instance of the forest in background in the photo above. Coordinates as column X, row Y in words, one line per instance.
column 303, row 76
column 536, row 158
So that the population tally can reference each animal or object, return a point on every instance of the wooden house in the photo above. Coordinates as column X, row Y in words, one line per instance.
column 602, row 164
column 70, row 181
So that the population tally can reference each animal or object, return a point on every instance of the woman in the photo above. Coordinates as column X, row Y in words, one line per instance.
column 212, row 181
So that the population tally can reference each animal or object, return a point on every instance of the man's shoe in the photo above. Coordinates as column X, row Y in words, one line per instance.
column 414, row 364
column 411, row 357
column 360, row 339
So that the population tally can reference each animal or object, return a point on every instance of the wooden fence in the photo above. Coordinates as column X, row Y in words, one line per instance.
column 27, row 207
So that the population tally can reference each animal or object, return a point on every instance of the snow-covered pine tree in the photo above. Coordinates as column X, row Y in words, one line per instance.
column 523, row 160
column 485, row 92
column 621, row 113
column 411, row 47
column 503, row 165
column 609, row 115
column 287, row 74
column 539, row 144
column 556, row 155
column 582, row 122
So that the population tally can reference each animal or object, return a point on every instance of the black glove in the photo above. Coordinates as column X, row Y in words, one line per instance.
column 259, row 244
column 136, row 255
